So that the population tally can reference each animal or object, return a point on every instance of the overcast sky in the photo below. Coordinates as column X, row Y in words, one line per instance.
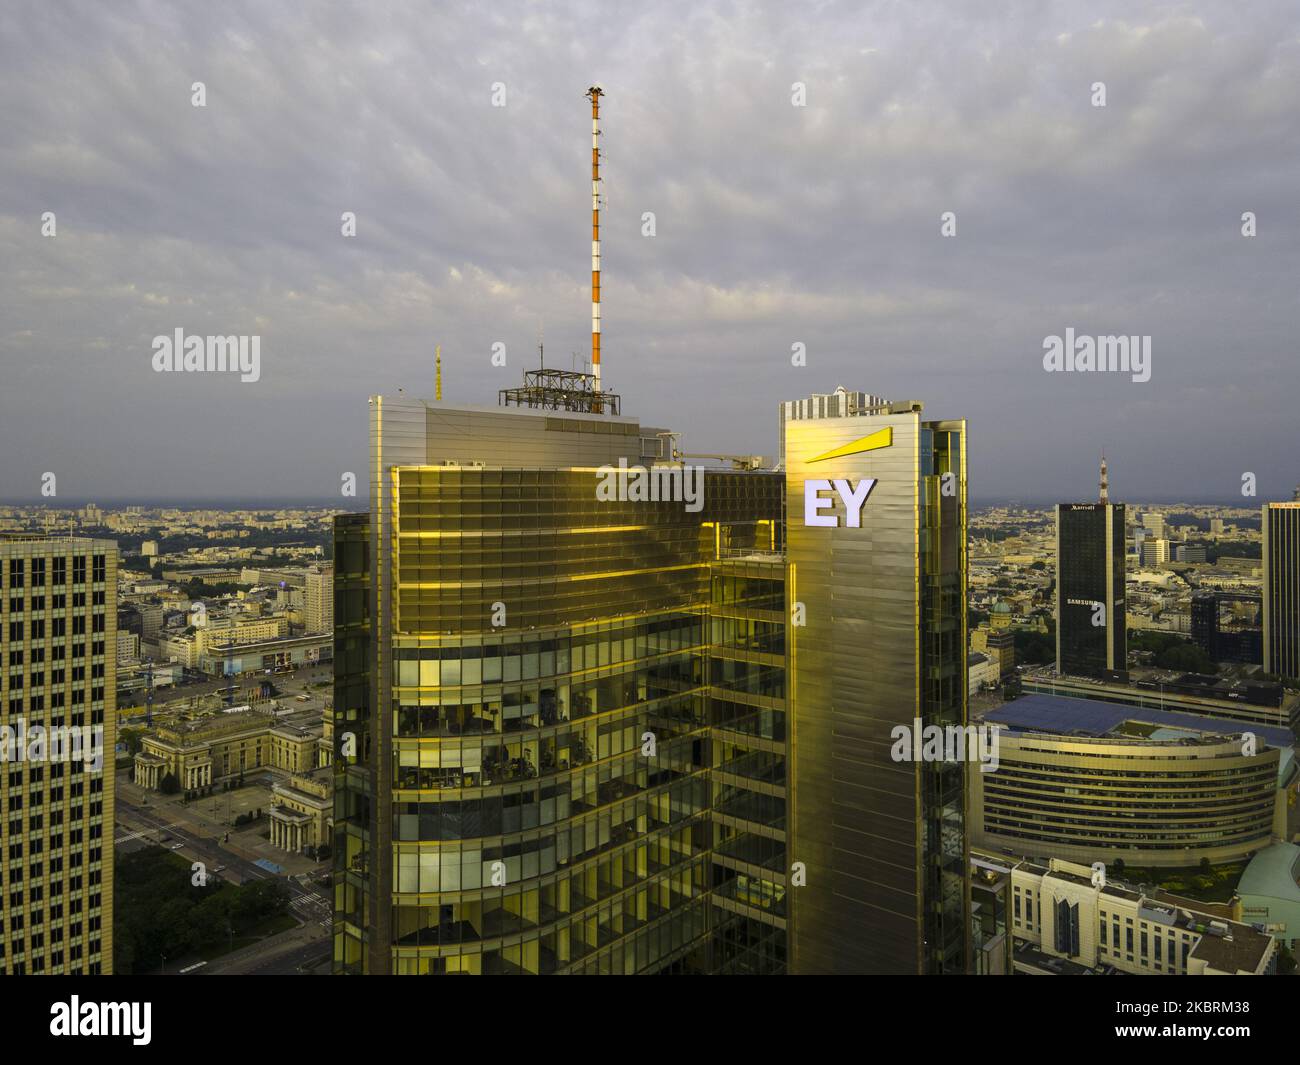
column 776, row 225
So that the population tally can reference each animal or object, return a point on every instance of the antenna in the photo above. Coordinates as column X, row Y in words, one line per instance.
column 594, row 94
column 437, row 362
column 1105, row 490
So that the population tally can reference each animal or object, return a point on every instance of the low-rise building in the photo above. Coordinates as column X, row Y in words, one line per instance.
column 1067, row 918
column 214, row 746
column 1269, row 890
column 302, row 814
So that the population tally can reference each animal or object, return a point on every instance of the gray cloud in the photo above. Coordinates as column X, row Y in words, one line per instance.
column 776, row 224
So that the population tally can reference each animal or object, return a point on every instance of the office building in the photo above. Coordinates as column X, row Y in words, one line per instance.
column 583, row 763
column 318, row 609
column 1068, row 922
column 1155, row 553
column 558, row 690
column 58, row 636
column 601, row 710
column 1281, row 589
column 999, row 644
column 1091, row 626
column 1205, row 622
column 1238, row 641
column 1155, row 526
column 1091, row 781
column 882, row 592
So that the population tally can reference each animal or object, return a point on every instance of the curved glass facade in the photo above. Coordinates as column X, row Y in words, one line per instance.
column 540, row 792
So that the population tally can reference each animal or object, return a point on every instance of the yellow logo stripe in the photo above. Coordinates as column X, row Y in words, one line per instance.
column 880, row 438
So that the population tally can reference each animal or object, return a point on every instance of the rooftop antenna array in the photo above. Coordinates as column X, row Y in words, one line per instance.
column 570, row 390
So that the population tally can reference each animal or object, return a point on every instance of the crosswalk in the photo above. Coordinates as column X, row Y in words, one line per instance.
column 130, row 836
column 143, row 832
column 311, row 906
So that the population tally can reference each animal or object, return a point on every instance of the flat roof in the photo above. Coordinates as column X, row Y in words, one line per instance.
column 1097, row 718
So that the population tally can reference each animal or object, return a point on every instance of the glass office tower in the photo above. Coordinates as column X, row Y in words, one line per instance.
column 1091, row 623
column 880, row 590
column 526, row 670
column 566, row 739
column 1281, row 589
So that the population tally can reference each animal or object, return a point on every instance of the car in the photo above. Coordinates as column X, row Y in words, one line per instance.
column 177, row 846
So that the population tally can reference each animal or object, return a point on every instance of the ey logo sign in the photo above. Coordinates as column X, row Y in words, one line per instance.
column 854, row 497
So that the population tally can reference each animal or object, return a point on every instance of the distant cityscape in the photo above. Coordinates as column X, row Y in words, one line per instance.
column 563, row 679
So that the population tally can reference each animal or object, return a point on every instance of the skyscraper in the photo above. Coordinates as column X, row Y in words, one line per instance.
column 318, row 598
column 572, row 746
column 58, row 636
column 567, row 760
column 1280, row 523
column 1091, row 626
column 877, row 592
column 567, row 740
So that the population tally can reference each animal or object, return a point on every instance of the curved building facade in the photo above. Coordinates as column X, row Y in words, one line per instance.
column 1165, row 802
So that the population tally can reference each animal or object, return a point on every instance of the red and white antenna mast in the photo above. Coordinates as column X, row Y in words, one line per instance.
column 594, row 94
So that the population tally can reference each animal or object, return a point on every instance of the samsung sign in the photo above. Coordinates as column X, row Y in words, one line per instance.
column 854, row 498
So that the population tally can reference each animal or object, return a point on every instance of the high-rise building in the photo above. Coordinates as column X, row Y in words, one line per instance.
column 596, row 715
column 1155, row 552
column 1281, row 589
column 58, row 636
column 318, row 598
column 1091, row 626
column 881, row 590
column 568, row 706
column 573, row 747
column 838, row 404
column 1205, row 622
column 1155, row 526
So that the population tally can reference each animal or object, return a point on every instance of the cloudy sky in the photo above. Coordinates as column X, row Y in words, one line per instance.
column 775, row 225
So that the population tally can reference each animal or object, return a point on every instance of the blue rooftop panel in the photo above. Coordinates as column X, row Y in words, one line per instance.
column 1094, row 717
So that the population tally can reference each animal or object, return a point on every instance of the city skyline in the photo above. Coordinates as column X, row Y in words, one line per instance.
column 775, row 225
column 871, row 548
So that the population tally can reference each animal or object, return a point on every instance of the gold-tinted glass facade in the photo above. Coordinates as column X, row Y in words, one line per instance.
column 882, row 594
column 537, row 792
column 58, row 643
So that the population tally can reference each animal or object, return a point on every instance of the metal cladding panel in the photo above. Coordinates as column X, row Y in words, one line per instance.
column 526, row 438
column 854, row 812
